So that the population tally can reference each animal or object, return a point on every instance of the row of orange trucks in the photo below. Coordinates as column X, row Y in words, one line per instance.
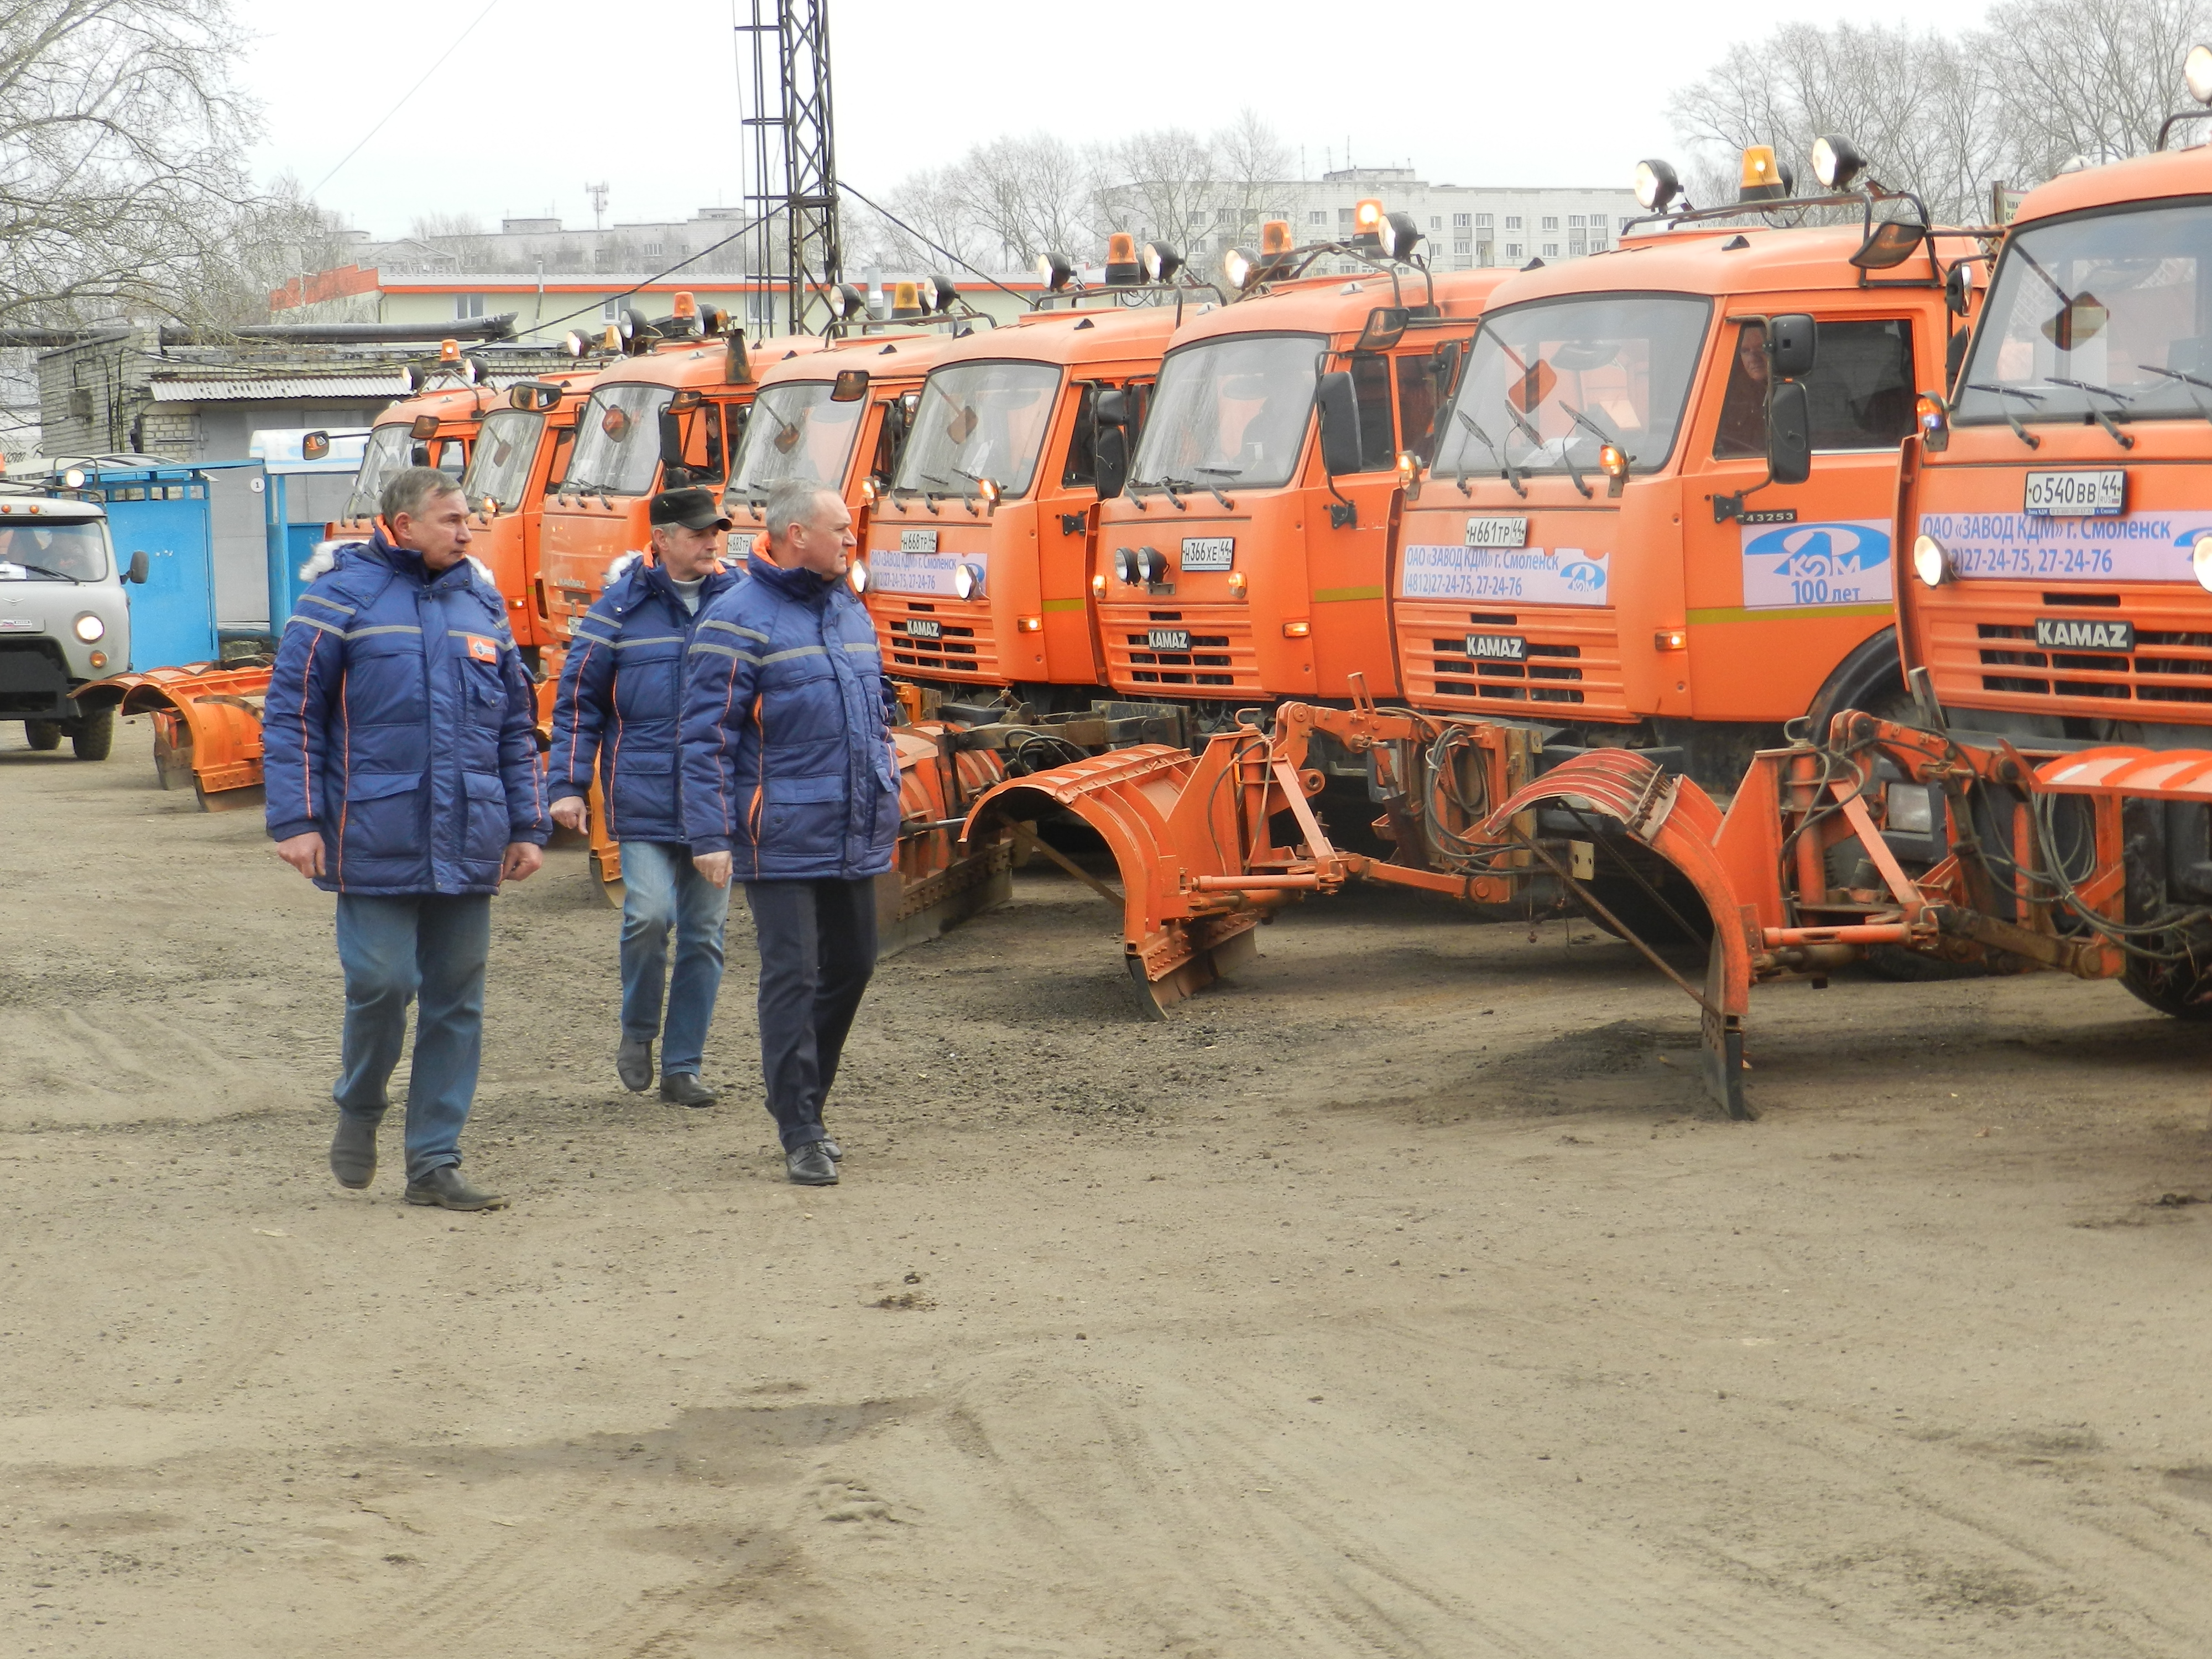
column 1799, row 583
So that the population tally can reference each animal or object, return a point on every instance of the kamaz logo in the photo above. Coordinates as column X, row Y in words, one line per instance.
column 2078, row 634
column 1497, row 648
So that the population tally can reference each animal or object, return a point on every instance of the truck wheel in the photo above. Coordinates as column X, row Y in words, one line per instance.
column 2172, row 987
column 43, row 734
column 91, row 736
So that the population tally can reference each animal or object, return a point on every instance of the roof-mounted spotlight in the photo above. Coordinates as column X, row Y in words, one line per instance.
column 1367, row 225
column 478, row 367
column 637, row 333
column 845, row 301
column 1657, row 185
column 2196, row 73
column 1121, row 270
column 1764, row 178
column 1399, row 234
column 1837, row 163
column 580, row 342
column 938, row 293
column 1055, row 271
column 1161, row 260
column 1239, row 268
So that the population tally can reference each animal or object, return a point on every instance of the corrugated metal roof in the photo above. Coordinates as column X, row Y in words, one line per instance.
column 232, row 389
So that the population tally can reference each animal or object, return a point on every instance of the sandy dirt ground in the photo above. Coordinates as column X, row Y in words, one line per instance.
column 1402, row 1298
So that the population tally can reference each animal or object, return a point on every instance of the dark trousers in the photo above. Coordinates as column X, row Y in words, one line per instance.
column 818, row 947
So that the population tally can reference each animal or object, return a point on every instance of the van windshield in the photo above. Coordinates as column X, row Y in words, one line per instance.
column 58, row 551
column 979, row 421
column 2108, row 312
column 1551, row 383
column 506, row 449
column 795, row 431
column 383, row 458
column 617, row 442
column 1230, row 410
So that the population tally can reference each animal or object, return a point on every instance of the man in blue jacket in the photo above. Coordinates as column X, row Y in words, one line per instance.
column 790, row 787
column 622, row 693
column 401, row 774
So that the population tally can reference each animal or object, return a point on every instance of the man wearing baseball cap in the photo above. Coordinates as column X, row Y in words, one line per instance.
column 620, row 695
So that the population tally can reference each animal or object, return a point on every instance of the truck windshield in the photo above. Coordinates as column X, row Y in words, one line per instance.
column 979, row 421
column 505, row 451
column 55, row 551
column 382, row 458
column 1232, row 410
column 1552, row 382
column 795, row 431
column 2110, row 311
column 617, row 442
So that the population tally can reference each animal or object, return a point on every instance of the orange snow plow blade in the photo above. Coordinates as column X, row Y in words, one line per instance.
column 207, row 727
column 939, row 880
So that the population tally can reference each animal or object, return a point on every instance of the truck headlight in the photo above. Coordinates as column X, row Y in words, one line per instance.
column 2200, row 561
column 1930, row 561
column 89, row 628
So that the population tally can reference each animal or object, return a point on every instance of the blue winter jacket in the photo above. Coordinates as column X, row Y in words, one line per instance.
column 620, row 697
column 399, row 724
column 786, row 750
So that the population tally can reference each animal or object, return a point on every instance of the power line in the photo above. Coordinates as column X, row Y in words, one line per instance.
column 932, row 246
column 405, row 96
column 744, row 230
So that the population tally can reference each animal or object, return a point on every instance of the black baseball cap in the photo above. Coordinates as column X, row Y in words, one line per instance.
column 694, row 509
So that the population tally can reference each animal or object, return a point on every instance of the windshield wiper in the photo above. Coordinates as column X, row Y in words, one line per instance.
column 2176, row 374
column 45, row 570
column 1506, row 467
column 2011, row 419
column 2097, row 414
column 1168, row 489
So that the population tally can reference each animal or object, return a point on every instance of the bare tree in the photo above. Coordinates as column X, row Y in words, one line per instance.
column 2088, row 78
column 1163, row 178
column 276, row 237
column 1028, row 194
column 121, row 144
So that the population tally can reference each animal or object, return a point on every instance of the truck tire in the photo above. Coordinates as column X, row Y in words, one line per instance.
column 2172, row 987
column 91, row 736
column 43, row 734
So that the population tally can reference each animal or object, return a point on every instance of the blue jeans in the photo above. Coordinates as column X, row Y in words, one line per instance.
column 660, row 890
column 393, row 950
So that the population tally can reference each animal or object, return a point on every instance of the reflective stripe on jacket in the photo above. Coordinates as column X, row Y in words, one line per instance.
column 621, row 697
column 787, row 761
column 399, row 724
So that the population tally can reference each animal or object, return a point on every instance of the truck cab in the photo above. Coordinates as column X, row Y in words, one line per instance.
column 1248, row 555
column 1601, row 542
column 980, row 549
column 64, row 618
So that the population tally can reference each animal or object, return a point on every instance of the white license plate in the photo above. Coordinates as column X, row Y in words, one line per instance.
column 1498, row 532
column 2076, row 494
column 917, row 541
column 1497, row 648
column 917, row 628
column 1167, row 639
column 1208, row 552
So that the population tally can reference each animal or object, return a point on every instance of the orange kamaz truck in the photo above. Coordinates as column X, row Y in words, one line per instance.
column 1244, row 554
column 981, row 546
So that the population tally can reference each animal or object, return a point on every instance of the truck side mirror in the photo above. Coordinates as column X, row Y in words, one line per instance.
column 1112, row 407
column 1789, row 432
column 1109, row 457
column 1793, row 340
column 676, row 471
column 1339, row 406
column 137, row 572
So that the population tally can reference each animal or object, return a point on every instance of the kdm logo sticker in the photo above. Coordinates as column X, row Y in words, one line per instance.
column 1838, row 563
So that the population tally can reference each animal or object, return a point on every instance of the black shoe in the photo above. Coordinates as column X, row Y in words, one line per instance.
column 685, row 1089
column 811, row 1165
column 634, row 1065
column 353, row 1150
column 444, row 1188
column 836, row 1152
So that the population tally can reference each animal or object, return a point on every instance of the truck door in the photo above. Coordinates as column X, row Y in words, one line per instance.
column 1348, row 551
column 1783, row 582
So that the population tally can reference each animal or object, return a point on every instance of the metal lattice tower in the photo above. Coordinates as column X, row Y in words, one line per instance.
column 792, row 185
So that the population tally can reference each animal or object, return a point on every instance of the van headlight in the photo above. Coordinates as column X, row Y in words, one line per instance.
column 89, row 628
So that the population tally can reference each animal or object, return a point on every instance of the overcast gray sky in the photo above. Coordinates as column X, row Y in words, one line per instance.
column 548, row 94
